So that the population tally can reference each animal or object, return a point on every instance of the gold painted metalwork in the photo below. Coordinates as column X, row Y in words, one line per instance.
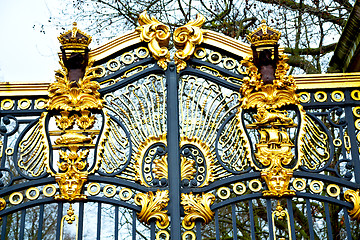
column 356, row 112
column 7, row 104
column 9, row 151
column 36, row 193
column 320, row 96
column 72, row 178
column 280, row 213
column 304, row 97
column 329, row 191
column 355, row 94
column 157, row 35
column 231, row 65
column 251, row 185
column 64, row 122
column 74, row 38
column 49, row 194
column 354, row 197
column 97, row 188
column 200, row 52
column 317, row 183
column 70, row 217
column 165, row 235
column 197, row 207
column 357, row 124
column 335, row 98
column 127, row 58
column 123, row 192
column 296, row 182
column 34, row 149
column 139, row 55
column 337, row 142
column 347, row 142
column 113, row 62
column 2, row 205
column 112, row 193
column 1, row 148
column 237, row 191
column 264, row 35
column 220, row 194
column 24, row 103
column 188, row 233
column 186, row 38
column 12, row 197
column 215, row 57
column 152, row 207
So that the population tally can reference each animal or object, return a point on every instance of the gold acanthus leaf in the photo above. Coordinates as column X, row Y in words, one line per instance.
column 157, row 35
column 64, row 97
column 354, row 197
column 186, row 38
column 197, row 207
column 160, row 169
column 152, row 207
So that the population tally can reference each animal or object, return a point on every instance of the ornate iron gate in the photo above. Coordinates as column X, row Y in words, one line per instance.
column 213, row 145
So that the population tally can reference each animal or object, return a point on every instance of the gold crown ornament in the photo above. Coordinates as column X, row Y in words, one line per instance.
column 264, row 35
column 74, row 39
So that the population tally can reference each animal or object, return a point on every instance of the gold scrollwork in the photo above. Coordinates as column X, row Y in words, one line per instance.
column 186, row 38
column 354, row 197
column 197, row 207
column 157, row 35
column 152, row 207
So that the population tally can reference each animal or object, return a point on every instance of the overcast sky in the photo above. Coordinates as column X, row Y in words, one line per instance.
column 26, row 54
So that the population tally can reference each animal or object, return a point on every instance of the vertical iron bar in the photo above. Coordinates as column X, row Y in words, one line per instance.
column 328, row 222
column 3, row 227
column 22, row 224
column 351, row 129
column 292, row 219
column 98, row 222
column 252, row 220
column 152, row 230
column 173, row 149
column 217, row 228
column 347, row 224
column 233, row 215
column 309, row 217
column 134, row 226
column 41, row 221
column 81, row 221
column 59, row 217
column 198, row 230
column 269, row 219
column 116, row 223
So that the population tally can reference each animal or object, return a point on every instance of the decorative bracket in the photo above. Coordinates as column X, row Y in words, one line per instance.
column 354, row 197
column 197, row 207
column 157, row 35
column 152, row 207
column 186, row 38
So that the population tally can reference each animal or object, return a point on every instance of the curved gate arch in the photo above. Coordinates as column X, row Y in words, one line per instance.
column 216, row 142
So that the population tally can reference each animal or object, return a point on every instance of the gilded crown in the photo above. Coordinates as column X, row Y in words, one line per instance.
column 74, row 38
column 264, row 35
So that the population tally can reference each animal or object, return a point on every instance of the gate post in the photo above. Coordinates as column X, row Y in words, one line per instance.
column 173, row 140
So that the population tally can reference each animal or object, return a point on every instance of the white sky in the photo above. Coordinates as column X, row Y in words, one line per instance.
column 26, row 54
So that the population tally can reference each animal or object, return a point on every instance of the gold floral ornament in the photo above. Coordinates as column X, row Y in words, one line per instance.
column 186, row 38
column 152, row 207
column 74, row 94
column 266, row 89
column 197, row 207
column 354, row 197
column 157, row 35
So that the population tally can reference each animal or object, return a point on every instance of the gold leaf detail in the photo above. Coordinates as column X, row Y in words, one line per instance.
column 186, row 38
column 64, row 122
column 197, row 207
column 152, row 207
column 354, row 197
column 85, row 121
column 157, row 35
